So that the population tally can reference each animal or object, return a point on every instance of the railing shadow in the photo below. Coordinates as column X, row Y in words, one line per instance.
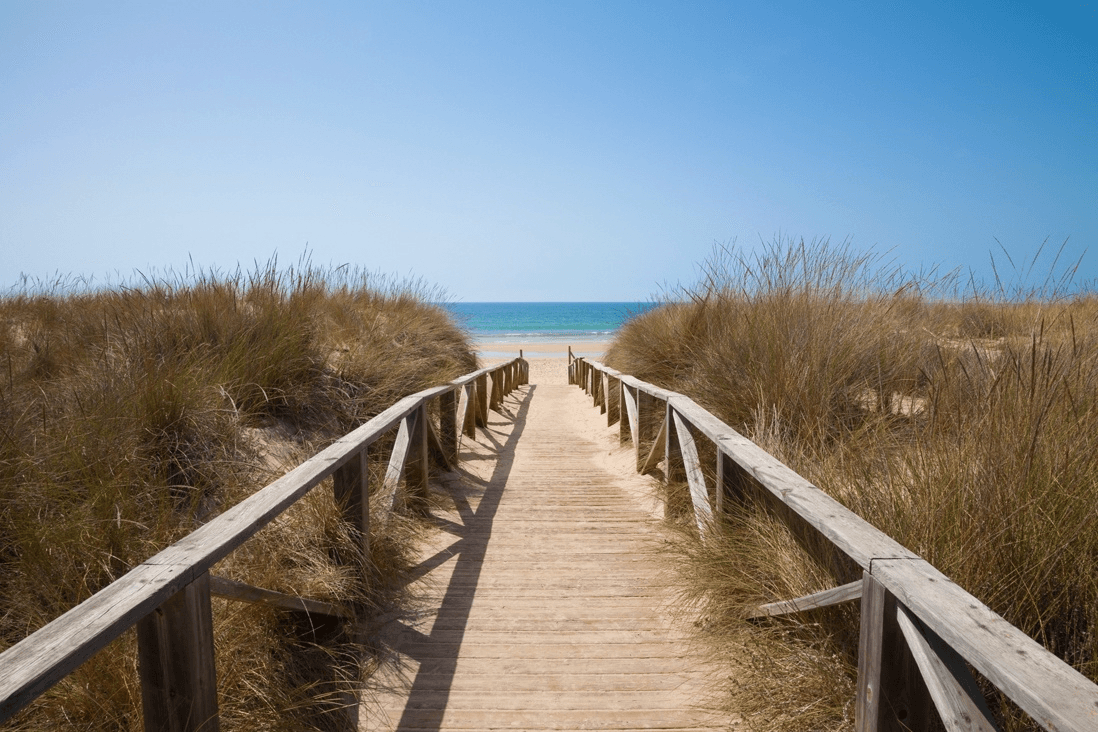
column 437, row 653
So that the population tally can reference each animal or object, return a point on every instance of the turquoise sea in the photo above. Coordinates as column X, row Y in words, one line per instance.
column 546, row 322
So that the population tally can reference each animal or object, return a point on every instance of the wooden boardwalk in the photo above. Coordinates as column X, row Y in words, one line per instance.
column 542, row 605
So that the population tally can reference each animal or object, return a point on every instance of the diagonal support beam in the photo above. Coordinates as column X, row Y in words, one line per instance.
column 825, row 598
column 955, row 694
column 656, row 453
column 699, row 494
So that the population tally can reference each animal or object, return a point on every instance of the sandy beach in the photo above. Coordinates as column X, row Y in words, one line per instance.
column 548, row 361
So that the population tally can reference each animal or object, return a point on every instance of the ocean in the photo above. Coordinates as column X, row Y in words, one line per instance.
column 544, row 322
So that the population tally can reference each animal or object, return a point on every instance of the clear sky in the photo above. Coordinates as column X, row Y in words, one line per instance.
column 529, row 150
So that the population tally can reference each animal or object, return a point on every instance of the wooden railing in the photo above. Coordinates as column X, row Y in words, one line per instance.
column 912, row 615
column 168, row 596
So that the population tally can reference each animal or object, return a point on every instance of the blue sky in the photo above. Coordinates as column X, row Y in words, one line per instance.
column 542, row 150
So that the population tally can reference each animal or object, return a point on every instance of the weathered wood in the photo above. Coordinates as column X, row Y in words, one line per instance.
column 688, row 453
column 243, row 592
column 175, row 651
column 447, row 425
column 394, row 472
column 1054, row 694
column 855, row 536
column 482, row 401
column 350, row 483
column 628, row 426
column 416, row 471
column 867, row 703
column 657, row 452
column 824, row 598
column 674, row 471
column 892, row 695
column 956, row 695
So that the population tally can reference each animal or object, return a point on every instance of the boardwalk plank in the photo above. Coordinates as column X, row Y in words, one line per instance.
column 550, row 609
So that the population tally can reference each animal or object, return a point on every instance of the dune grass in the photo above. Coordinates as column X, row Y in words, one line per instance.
column 130, row 415
column 960, row 422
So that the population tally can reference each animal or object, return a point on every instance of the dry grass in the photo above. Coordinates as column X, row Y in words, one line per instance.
column 961, row 423
column 128, row 416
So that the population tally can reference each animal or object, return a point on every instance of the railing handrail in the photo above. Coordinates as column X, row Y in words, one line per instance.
column 954, row 622
column 37, row 662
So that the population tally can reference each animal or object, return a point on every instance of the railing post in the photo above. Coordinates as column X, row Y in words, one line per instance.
column 613, row 400
column 645, row 428
column 175, row 654
column 495, row 397
column 676, row 469
column 481, row 411
column 625, row 425
column 415, row 468
column 892, row 695
column 447, row 407
column 351, row 484
column 469, row 423
column 732, row 482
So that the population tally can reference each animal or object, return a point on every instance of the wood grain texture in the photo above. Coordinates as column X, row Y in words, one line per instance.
column 548, row 610
column 825, row 598
column 699, row 494
column 175, row 649
column 956, row 696
column 243, row 592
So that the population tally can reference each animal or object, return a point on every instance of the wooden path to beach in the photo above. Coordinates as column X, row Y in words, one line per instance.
column 543, row 604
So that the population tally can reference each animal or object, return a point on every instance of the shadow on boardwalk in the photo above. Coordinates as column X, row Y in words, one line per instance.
column 437, row 652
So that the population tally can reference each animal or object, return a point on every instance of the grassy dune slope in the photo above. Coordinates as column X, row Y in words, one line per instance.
column 130, row 416
column 965, row 428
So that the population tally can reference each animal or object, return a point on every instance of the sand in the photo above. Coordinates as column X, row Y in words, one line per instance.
column 548, row 361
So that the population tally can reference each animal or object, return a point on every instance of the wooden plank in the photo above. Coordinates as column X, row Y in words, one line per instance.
column 699, row 494
column 855, row 536
column 243, row 592
column 824, row 598
column 657, row 451
column 175, row 651
column 957, row 697
column 1053, row 693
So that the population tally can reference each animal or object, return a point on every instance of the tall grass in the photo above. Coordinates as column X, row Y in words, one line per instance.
column 960, row 422
column 130, row 415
